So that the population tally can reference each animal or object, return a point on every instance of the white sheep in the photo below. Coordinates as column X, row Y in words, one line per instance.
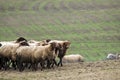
column 113, row 56
column 73, row 58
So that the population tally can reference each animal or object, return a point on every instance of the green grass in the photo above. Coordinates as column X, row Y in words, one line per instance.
column 92, row 26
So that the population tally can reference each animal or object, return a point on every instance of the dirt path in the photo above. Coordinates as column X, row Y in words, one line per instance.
column 102, row 70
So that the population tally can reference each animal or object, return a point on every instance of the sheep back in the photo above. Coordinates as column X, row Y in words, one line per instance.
column 73, row 58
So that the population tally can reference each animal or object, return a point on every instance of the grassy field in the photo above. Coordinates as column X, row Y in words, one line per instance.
column 92, row 26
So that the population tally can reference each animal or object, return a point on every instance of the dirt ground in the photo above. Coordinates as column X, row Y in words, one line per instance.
column 100, row 70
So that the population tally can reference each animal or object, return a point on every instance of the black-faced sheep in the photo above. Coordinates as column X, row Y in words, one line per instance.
column 73, row 58
column 21, row 39
column 63, row 46
column 34, row 55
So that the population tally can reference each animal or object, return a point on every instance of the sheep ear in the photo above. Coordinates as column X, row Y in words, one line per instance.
column 48, row 40
column 23, row 43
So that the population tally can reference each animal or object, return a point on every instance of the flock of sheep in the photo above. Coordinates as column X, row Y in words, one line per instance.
column 21, row 54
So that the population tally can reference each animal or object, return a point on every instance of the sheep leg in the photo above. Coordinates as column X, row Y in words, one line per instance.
column 0, row 62
column 42, row 64
column 25, row 65
column 0, row 65
column 5, row 63
column 48, row 64
column 5, row 66
column 29, row 66
column 54, row 62
column 34, row 66
column 14, row 64
column 60, row 62
column 21, row 67
column 19, row 63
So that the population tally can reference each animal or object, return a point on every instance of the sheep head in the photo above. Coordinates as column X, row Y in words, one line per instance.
column 20, row 39
column 23, row 43
column 48, row 40
column 63, row 47
column 53, row 46
column 66, row 44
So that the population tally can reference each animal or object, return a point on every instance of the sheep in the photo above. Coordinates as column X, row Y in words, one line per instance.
column 24, row 55
column 73, row 58
column 113, row 56
column 63, row 46
column 39, row 43
column 7, row 53
column 34, row 55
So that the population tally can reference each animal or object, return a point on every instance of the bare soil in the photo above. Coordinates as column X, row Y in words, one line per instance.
column 100, row 70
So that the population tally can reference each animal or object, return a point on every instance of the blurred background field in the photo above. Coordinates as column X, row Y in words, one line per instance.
column 92, row 26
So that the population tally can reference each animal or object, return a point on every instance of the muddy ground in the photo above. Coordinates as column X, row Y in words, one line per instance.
column 100, row 70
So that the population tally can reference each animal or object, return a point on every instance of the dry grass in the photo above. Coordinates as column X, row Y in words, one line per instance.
column 101, row 70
